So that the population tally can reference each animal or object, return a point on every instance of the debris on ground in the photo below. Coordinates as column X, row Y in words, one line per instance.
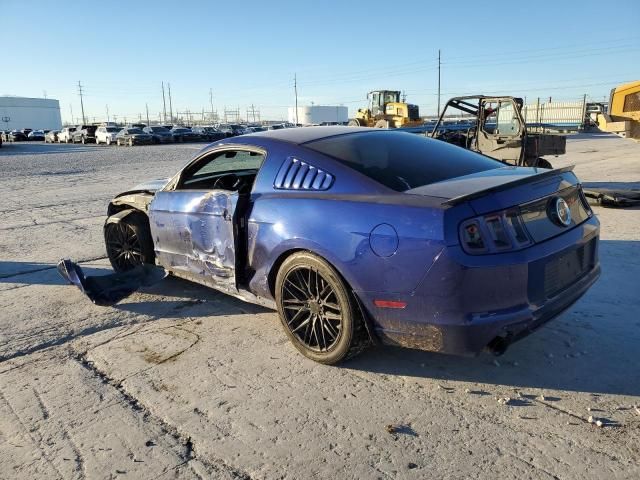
column 504, row 400
column 107, row 290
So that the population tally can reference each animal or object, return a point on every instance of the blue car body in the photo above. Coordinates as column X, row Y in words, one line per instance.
column 400, row 250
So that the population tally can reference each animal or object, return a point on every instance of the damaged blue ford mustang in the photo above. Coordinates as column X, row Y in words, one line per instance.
column 358, row 236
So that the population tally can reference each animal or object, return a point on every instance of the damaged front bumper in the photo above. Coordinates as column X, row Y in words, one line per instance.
column 107, row 290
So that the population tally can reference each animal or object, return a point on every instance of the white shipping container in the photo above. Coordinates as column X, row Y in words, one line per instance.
column 36, row 113
column 319, row 114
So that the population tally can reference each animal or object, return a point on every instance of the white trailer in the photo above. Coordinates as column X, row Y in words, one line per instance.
column 17, row 113
column 319, row 115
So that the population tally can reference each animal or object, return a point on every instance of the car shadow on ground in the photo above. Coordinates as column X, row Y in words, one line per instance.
column 590, row 348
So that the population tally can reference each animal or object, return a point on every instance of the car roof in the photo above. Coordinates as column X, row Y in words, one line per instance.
column 308, row 134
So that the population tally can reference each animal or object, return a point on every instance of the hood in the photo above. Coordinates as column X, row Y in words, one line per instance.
column 151, row 186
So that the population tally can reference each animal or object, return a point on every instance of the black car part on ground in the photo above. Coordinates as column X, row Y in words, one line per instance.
column 612, row 198
column 106, row 290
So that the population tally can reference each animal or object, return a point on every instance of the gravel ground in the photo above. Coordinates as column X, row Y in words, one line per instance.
column 179, row 381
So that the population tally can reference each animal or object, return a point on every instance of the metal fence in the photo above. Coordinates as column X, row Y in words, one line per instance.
column 555, row 115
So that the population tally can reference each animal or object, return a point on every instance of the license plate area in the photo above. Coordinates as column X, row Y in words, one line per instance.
column 564, row 270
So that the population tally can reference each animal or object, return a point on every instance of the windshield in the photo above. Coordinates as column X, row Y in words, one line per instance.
column 159, row 129
column 113, row 129
column 402, row 161
column 134, row 131
column 181, row 130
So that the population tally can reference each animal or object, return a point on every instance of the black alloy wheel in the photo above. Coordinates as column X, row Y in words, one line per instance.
column 317, row 310
column 129, row 243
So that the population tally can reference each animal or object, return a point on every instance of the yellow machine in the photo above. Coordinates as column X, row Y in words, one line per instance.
column 386, row 111
column 624, row 112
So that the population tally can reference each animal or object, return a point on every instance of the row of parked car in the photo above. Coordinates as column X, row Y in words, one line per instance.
column 135, row 134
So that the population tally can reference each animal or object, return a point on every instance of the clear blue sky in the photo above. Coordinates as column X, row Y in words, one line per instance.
column 248, row 51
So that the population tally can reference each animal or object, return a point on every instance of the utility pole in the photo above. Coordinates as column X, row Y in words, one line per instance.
column 107, row 113
column 170, row 105
column 71, row 110
column 81, row 102
column 211, row 101
column 439, row 83
column 45, row 94
column 295, row 88
column 147, row 107
column 164, row 106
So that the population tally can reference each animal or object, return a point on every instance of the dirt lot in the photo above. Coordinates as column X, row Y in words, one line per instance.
column 181, row 381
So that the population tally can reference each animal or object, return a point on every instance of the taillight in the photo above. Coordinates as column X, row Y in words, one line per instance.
column 472, row 238
column 585, row 202
column 497, row 232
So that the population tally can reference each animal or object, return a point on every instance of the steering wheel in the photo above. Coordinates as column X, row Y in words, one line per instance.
column 230, row 181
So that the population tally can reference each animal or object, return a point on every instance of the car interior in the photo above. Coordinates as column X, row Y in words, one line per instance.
column 234, row 171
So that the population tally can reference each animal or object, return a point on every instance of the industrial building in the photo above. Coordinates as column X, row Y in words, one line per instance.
column 36, row 113
column 319, row 114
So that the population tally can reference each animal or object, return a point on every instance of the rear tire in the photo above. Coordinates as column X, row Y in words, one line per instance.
column 317, row 310
column 542, row 163
column 356, row 122
column 108, row 141
column 129, row 242
column 131, row 142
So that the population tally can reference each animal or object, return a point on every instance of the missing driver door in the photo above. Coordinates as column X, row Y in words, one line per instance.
column 501, row 131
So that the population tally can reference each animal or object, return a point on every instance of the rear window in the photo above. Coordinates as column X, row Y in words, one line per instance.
column 400, row 160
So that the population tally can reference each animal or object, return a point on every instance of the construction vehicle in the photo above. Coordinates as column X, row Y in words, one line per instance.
column 385, row 110
column 494, row 126
column 624, row 112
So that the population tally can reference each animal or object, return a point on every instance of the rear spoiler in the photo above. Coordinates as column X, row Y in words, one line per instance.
column 505, row 186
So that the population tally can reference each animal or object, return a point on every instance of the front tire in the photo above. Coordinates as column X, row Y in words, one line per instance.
column 317, row 310
column 129, row 242
column 108, row 141
column 131, row 142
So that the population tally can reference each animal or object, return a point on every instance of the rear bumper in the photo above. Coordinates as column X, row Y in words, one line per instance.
column 465, row 303
column 507, row 325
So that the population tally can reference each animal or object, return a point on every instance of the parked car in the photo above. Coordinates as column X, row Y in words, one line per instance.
column 106, row 135
column 430, row 246
column 35, row 136
column 226, row 129
column 84, row 134
column 17, row 136
column 183, row 134
column 133, row 136
column 51, row 136
column 66, row 134
column 27, row 131
column 159, row 134
column 239, row 129
column 209, row 134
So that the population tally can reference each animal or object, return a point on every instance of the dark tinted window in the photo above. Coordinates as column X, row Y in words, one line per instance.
column 400, row 160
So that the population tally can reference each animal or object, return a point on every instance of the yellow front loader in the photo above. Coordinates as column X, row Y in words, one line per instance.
column 624, row 112
column 385, row 110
